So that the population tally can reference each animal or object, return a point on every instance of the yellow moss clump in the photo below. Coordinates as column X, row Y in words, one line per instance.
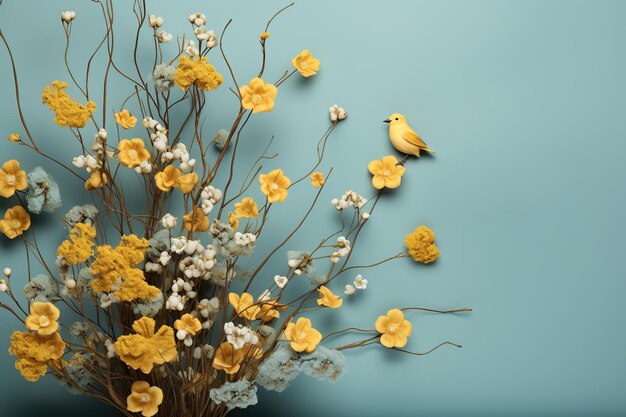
column 421, row 245
column 68, row 112
column 80, row 246
column 147, row 347
column 197, row 72
column 35, row 352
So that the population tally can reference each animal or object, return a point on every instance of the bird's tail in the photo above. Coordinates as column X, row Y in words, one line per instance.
column 429, row 150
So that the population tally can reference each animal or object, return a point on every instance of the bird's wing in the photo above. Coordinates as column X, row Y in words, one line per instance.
column 412, row 137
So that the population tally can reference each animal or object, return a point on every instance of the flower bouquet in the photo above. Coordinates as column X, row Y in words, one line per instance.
column 162, row 318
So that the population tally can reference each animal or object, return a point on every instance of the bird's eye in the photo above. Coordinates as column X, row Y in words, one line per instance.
column 396, row 118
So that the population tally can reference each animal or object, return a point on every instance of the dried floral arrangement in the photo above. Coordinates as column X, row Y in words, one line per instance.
column 160, row 331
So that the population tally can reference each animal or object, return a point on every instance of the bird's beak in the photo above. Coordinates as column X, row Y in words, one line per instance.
column 386, row 121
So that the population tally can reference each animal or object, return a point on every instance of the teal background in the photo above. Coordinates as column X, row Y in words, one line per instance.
column 524, row 102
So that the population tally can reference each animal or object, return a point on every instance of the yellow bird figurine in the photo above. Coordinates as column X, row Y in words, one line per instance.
column 403, row 138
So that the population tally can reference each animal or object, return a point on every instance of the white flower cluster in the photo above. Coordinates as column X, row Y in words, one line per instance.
column 108, row 344
column 343, row 246
column 197, row 19
column 158, row 134
column 144, row 167
column 280, row 280
column 207, row 308
column 190, row 48
column 337, row 113
column 67, row 16
column 206, row 35
column 4, row 287
column 179, row 153
column 176, row 301
column 155, row 22
column 107, row 299
column 245, row 242
column 239, row 335
column 168, row 221
column 199, row 260
column 209, row 196
column 350, row 198
column 182, row 334
column 359, row 282
column 164, row 37
column 90, row 162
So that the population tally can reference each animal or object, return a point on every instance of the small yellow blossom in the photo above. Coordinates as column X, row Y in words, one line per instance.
column 35, row 352
column 16, row 220
column 328, row 298
column 274, row 185
column 233, row 220
column 270, row 310
column 67, row 112
column 265, row 35
column 244, row 305
column 189, row 324
column 247, row 208
column 258, row 96
column 80, row 246
column 303, row 337
column 197, row 72
column 43, row 318
column 125, row 119
column 196, row 221
column 146, row 347
column 186, row 182
column 394, row 329
column 15, row 137
column 421, row 245
column 306, row 64
column 144, row 399
column 317, row 179
column 227, row 358
column 97, row 180
column 135, row 287
column 386, row 172
column 166, row 179
column 132, row 152
column 12, row 178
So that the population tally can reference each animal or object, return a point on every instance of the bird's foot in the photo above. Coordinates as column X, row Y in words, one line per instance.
column 401, row 163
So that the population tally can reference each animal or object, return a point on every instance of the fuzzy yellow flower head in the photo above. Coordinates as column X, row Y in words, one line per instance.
column 144, row 399
column 12, row 178
column 189, row 324
column 98, row 179
column 247, row 208
column 274, row 185
column 328, row 298
column 132, row 152
column 43, row 318
column 67, row 112
column 15, row 137
column 264, row 35
column 16, row 220
column 146, row 347
column 394, row 329
column 386, row 172
column 317, row 179
column 306, row 64
column 80, row 246
column 421, row 245
column 228, row 359
column 303, row 337
column 244, row 305
column 196, row 221
column 233, row 220
column 35, row 352
column 125, row 119
column 258, row 96
column 197, row 72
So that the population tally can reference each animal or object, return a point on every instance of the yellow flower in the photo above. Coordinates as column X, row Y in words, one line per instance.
column 67, row 112
column 144, row 399
column 166, row 179
column 258, row 96
column 270, row 310
column 328, row 299
column 247, row 208
column 146, row 348
column 244, row 305
column 306, row 64
column 265, row 35
column 196, row 221
column 274, row 185
column 35, row 352
column 386, row 172
column 134, row 287
column 15, row 137
column 132, row 152
column 43, row 318
column 227, row 358
column 186, row 182
column 97, row 180
column 189, row 324
column 421, row 245
column 11, row 178
column 197, row 72
column 80, row 246
column 317, row 179
column 125, row 119
column 233, row 220
column 16, row 220
column 394, row 329
column 302, row 336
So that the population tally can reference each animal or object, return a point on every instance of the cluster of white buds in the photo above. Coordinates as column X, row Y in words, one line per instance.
column 108, row 344
column 155, row 21
column 168, row 221
column 176, row 301
column 209, row 197
column 153, row 267
column 197, row 19
column 4, row 287
column 204, row 350
column 200, row 264
column 337, row 113
column 350, row 198
column 164, row 258
column 280, row 280
column 206, row 35
column 343, row 246
column 185, row 336
column 178, row 244
column 158, row 134
column 164, row 37
column 106, row 300
column 190, row 48
column 208, row 307
column 244, row 239
column 89, row 162
column 360, row 283
column 144, row 167
column 67, row 16
column 99, row 141
column 239, row 335
column 179, row 153
column 349, row 289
